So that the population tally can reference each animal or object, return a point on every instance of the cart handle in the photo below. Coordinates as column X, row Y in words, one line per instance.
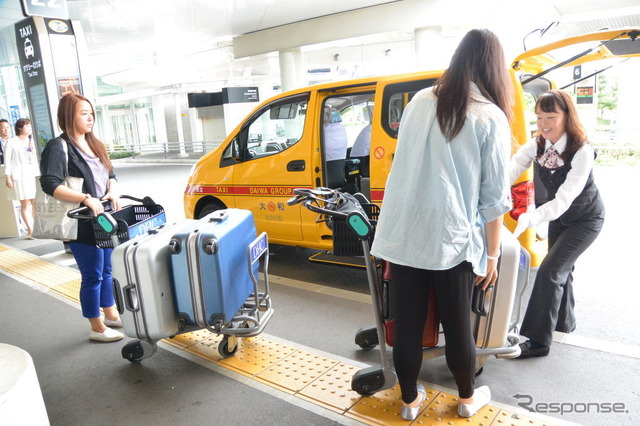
column 327, row 201
column 85, row 213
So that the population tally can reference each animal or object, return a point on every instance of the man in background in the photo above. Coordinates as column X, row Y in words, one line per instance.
column 5, row 134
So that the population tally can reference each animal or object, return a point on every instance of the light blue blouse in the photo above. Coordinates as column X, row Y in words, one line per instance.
column 440, row 194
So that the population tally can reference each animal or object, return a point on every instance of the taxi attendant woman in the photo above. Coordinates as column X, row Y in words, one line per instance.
column 88, row 159
column 442, row 212
column 564, row 160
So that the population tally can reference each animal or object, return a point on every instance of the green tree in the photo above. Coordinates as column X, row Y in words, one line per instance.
column 607, row 95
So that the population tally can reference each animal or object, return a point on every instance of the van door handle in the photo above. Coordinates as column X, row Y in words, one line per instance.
column 296, row 166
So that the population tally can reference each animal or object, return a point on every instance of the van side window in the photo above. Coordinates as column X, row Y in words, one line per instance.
column 275, row 129
column 394, row 101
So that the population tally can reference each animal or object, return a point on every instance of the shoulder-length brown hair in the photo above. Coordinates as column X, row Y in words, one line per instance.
column 67, row 122
column 479, row 58
column 560, row 101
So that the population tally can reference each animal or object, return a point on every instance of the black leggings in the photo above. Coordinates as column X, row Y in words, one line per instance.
column 410, row 292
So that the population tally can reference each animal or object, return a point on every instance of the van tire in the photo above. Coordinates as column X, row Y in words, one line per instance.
column 210, row 208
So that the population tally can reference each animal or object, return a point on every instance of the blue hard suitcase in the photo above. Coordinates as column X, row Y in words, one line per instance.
column 214, row 257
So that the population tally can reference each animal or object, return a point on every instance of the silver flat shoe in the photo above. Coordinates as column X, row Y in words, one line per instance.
column 481, row 397
column 410, row 413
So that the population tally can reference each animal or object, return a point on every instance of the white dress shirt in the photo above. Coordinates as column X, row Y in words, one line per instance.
column 581, row 166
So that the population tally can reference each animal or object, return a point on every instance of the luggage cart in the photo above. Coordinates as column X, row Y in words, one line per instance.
column 337, row 206
column 112, row 228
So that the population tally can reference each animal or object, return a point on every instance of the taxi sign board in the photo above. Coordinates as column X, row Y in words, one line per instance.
column 45, row 8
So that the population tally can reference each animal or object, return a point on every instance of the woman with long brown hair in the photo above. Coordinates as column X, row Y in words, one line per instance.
column 442, row 212
column 86, row 157
column 563, row 158
column 21, row 170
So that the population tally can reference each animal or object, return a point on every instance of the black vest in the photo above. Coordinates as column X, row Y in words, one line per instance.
column 588, row 203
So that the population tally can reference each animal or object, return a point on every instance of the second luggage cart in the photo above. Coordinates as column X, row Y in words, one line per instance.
column 491, row 319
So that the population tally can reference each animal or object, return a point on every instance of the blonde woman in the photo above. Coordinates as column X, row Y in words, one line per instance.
column 21, row 170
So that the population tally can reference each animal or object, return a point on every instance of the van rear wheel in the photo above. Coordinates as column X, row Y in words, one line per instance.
column 210, row 208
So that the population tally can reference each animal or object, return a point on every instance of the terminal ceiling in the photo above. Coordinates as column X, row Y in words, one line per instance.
column 132, row 42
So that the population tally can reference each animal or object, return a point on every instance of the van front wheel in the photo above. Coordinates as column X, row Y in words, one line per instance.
column 210, row 208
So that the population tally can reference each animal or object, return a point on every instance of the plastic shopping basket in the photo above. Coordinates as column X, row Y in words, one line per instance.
column 133, row 220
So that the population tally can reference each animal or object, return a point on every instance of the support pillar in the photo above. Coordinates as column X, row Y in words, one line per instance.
column 292, row 74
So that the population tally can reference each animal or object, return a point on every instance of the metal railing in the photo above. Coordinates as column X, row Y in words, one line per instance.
column 166, row 150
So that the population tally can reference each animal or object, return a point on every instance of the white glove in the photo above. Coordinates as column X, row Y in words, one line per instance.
column 524, row 222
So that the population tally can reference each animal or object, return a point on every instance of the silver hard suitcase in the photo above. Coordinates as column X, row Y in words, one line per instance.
column 492, row 308
column 143, row 284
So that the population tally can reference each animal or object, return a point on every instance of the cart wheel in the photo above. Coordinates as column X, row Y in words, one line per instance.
column 138, row 350
column 479, row 372
column 367, row 337
column 225, row 349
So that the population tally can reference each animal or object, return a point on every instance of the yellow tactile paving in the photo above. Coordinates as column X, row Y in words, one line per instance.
column 308, row 376
column 70, row 290
column 189, row 339
column 333, row 388
column 443, row 410
column 383, row 408
column 296, row 371
column 255, row 356
column 35, row 269
column 507, row 418
column 208, row 348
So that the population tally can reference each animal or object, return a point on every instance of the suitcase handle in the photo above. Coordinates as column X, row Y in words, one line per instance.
column 130, row 299
column 479, row 304
column 117, row 295
column 219, row 216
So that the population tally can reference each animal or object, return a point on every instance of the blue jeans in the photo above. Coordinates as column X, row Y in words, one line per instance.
column 96, row 287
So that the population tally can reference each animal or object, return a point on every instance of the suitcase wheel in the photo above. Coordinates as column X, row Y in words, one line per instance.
column 137, row 350
column 367, row 337
column 368, row 381
column 228, row 348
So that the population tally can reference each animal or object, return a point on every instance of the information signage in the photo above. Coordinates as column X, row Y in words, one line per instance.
column 233, row 95
column 584, row 95
column 32, row 69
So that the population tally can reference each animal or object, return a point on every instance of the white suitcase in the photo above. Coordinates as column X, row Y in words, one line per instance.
column 491, row 318
column 143, row 284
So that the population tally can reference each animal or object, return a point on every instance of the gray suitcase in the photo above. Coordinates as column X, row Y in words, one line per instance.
column 492, row 308
column 143, row 284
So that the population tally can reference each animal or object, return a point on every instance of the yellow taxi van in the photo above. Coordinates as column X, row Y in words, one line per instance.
column 343, row 135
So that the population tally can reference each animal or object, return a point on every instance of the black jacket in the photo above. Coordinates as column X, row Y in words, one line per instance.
column 588, row 204
column 53, row 172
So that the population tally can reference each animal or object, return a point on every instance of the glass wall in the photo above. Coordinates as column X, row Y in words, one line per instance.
column 13, row 101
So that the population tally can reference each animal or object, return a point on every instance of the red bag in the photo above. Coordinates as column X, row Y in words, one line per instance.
column 523, row 196
column 432, row 325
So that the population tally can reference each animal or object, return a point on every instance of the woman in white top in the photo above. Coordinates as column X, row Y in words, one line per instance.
column 563, row 158
column 21, row 170
column 442, row 212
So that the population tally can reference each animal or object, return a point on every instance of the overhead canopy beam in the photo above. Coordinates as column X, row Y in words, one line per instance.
column 389, row 17
column 407, row 14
